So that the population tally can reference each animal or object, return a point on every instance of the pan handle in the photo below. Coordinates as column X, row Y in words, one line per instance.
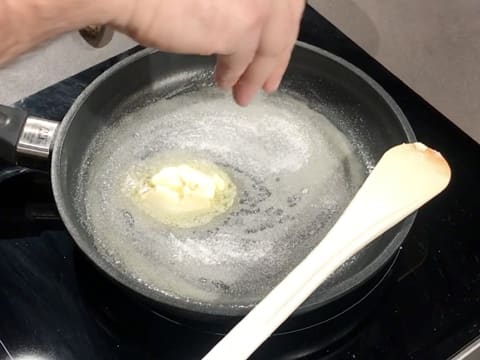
column 25, row 140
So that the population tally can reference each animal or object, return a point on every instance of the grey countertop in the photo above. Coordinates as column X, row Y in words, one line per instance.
column 432, row 45
column 52, row 62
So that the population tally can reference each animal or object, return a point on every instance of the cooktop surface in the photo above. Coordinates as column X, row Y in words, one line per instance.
column 53, row 305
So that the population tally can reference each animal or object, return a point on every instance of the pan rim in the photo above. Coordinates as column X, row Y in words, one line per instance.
column 334, row 292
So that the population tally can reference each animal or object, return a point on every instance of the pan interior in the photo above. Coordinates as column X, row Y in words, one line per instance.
column 294, row 172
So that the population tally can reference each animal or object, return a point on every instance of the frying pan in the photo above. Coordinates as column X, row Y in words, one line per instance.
column 296, row 158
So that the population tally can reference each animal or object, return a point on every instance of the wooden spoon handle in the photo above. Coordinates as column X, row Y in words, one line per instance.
column 405, row 178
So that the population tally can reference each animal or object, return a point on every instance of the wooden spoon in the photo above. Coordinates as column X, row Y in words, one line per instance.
column 405, row 178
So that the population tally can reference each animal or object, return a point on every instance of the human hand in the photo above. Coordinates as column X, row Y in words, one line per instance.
column 253, row 39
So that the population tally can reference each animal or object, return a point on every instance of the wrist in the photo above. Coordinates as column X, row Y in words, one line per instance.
column 52, row 17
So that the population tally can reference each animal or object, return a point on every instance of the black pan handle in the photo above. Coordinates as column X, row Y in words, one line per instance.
column 25, row 140
column 12, row 122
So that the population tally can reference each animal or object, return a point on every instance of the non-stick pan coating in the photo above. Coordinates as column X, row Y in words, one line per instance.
column 159, row 89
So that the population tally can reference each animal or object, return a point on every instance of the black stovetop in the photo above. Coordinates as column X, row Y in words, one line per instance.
column 430, row 311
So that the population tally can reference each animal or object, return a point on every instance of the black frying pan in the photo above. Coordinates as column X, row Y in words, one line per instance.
column 296, row 157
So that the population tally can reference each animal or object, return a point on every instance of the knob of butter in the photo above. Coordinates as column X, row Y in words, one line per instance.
column 183, row 188
column 183, row 195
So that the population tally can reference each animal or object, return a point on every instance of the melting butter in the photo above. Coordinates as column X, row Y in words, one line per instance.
column 184, row 195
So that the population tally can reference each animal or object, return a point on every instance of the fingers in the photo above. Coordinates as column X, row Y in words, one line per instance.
column 265, row 60
column 250, row 37
column 229, row 68
column 269, row 60
column 273, row 82
column 295, row 9
column 253, row 79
